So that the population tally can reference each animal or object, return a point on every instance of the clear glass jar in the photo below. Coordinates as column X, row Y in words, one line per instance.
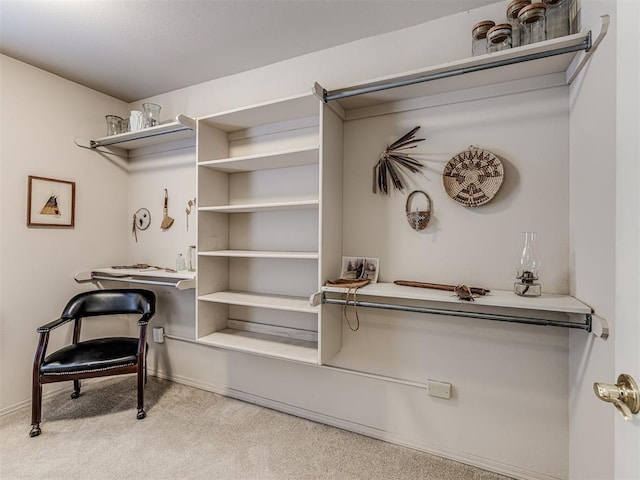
column 479, row 37
column 513, row 9
column 499, row 38
column 557, row 18
column 532, row 19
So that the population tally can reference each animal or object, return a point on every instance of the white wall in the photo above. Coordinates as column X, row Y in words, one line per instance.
column 40, row 115
column 592, row 187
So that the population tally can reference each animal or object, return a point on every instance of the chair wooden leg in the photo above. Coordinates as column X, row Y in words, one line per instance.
column 76, row 389
column 36, row 408
column 141, row 380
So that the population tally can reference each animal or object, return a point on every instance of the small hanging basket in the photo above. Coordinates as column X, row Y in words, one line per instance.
column 418, row 219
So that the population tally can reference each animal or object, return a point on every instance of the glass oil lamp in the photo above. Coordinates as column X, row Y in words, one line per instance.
column 528, row 268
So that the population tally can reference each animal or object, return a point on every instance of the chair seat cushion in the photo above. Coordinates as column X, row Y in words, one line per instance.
column 92, row 356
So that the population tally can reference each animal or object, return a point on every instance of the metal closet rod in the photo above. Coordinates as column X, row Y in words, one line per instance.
column 351, row 92
column 587, row 325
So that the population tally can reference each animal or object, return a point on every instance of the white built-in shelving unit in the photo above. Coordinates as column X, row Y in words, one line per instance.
column 269, row 187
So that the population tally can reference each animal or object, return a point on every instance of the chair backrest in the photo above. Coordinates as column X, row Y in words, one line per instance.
column 111, row 302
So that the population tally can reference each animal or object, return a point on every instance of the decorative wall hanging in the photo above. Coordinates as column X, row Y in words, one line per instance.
column 418, row 219
column 167, row 221
column 50, row 202
column 473, row 177
column 187, row 210
column 141, row 221
column 392, row 161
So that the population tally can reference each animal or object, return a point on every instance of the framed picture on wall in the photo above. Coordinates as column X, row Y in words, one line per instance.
column 51, row 202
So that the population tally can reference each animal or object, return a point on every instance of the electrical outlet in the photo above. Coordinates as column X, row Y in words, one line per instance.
column 158, row 334
column 439, row 389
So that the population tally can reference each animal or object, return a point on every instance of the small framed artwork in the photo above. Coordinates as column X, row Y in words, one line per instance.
column 51, row 202
column 357, row 268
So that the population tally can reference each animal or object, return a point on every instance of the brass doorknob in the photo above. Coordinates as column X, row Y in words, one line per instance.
column 624, row 395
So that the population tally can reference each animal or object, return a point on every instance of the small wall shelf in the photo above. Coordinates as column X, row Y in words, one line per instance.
column 579, row 315
column 179, row 280
column 182, row 128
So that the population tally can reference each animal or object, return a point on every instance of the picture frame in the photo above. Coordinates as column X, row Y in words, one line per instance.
column 50, row 202
column 357, row 268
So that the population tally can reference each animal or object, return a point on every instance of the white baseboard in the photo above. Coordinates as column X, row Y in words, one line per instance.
column 427, row 447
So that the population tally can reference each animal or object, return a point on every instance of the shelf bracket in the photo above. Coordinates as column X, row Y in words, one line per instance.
column 587, row 325
column 583, row 57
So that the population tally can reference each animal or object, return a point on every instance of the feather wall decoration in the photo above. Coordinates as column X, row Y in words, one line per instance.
column 394, row 163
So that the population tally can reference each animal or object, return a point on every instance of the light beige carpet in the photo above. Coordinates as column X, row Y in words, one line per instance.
column 193, row 434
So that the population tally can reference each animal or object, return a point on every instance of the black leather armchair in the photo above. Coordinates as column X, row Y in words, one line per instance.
column 98, row 357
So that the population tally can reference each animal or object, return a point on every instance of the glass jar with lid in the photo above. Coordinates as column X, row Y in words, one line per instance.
column 479, row 37
column 499, row 37
column 532, row 20
column 558, row 18
column 513, row 9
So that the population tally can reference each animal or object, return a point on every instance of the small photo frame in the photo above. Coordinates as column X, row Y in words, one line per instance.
column 51, row 202
column 357, row 268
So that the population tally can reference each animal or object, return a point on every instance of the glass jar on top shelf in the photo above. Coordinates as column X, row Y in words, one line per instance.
column 528, row 271
column 557, row 17
column 513, row 9
column 499, row 38
column 532, row 20
column 479, row 37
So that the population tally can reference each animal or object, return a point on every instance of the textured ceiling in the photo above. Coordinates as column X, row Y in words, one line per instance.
column 134, row 49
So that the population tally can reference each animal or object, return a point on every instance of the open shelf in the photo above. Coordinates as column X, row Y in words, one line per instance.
column 286, row 158
column 250, row 299
column 260, row 254
column 263, row 344
column 496, row 298
column 183, row 280
column 182, row 128
column 285, row 110
column 556, row 56
column 531, row 310
column 262, row 207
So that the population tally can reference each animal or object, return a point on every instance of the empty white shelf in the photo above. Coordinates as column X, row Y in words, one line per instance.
column 262, row 207
column 260, row 254
column 291, row 108
column 286, row 158
column 249, row 299
column 262, row 344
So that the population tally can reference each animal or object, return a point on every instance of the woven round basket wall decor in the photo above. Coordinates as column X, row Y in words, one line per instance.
column 473, row 177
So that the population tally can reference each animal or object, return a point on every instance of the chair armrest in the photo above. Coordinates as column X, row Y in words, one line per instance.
column 51, row 325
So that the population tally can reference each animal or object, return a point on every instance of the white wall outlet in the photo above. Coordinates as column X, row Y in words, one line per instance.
column 158, row 334
column 439, row 389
